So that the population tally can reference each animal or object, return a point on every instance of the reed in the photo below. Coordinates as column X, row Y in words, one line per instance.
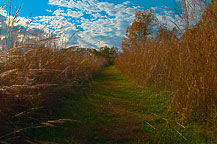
column 33, row 73
column 186, row 65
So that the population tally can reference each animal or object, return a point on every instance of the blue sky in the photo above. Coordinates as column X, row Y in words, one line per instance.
column 99, row 22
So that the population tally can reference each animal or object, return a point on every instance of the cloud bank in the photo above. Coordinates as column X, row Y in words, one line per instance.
column 90, row 23
column 101, row 23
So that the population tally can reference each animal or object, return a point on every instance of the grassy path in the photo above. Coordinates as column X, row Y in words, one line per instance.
column 112, row 109
column 118, row 101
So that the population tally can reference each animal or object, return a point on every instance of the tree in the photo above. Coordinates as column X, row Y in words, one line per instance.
column 141, row 27
column 108, row 53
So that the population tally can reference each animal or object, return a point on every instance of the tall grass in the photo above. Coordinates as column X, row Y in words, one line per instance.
column 32, row 73
column 186, row 66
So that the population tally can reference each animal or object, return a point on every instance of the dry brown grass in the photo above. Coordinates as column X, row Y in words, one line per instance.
column 34, row 68
column 32, row 74
column 187, row 66
column 31, row 77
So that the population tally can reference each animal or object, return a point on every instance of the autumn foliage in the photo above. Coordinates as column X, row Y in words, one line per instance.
column 141, row 27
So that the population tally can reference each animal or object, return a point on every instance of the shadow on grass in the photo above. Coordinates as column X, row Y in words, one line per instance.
column 112, row 109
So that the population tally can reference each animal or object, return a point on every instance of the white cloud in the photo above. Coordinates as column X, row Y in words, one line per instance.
column 167, row 17
column 49, row 10
column 3, row 12
column 84, row 5
column 74, row 13
column 101, row 23
column 107, row 22
column 108, row 8
column 194, row 9
column 69, row 12
column 23, row 21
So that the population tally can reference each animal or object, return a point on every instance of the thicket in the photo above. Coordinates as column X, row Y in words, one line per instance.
column 185, row 65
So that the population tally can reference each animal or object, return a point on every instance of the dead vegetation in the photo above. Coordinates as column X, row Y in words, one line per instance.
column 185, row 65
column 32, row 73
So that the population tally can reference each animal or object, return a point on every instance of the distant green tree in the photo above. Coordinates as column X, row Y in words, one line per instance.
column 107, row 53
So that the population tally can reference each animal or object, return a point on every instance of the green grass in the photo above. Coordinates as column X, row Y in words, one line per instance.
column 113, row 109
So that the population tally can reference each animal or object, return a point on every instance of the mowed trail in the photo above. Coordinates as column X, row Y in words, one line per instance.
column 110, row 110
column 119, row 103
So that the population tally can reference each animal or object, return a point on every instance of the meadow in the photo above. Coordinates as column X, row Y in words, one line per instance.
column 160, row 88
